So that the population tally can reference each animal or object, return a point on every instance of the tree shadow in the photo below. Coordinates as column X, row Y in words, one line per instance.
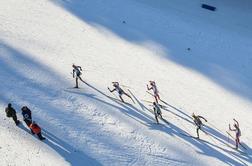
column 215, row 60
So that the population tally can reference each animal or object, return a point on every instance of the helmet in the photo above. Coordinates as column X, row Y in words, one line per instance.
column 24, row 108
column 9, row 105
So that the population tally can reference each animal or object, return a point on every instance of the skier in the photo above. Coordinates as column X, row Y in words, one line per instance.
column 155, row 91
column 27, row 116
column 198, row 122
column 77, row 73
column 11, row 112
column 119, row 90
column 36, row 130
column 157, row 111
column 237, row 133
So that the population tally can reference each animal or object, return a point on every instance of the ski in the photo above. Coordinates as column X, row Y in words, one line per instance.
column 193, row 137
column 118, row 100
column 160, row 99
column 164, row 120
column 131, row 97
column 161, row 106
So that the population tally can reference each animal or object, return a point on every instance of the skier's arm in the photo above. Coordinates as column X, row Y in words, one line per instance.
column 73, row 72
column 231, row 128
column 237, row 123
column 160, row 105
column 149, row 88
column 202, row 118
column 154, row 109
column 79, row 68
column 111, row 90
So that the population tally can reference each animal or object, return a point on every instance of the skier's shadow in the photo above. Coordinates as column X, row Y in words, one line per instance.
column 204, row 146
column 225, row 139
column 72, row 155
column 128, row 109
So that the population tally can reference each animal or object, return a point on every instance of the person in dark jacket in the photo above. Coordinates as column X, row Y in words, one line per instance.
column 36, row 130
column 157, row 111
column 77, row 74
column 198, row 122
column 27, row 116
column 11, row 112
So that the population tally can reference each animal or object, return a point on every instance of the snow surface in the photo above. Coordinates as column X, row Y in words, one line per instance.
column 39, row 41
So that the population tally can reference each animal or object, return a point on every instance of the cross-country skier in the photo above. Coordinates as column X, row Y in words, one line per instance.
column 155, row 91
column 119, row 90
column 77, row 74
column 198, row 122
column 157, row 111
column 237, row 132
column 27, row 116
column 11, row 113
column 36, row 130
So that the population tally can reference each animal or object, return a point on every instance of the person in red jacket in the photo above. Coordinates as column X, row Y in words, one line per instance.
column 36, row 130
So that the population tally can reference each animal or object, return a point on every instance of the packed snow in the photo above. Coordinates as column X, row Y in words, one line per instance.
column 200, row 59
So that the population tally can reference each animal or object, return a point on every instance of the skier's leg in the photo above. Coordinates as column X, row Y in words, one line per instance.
column 127, row 95
column 156, row 118
column 32, row 132
column 237, row 141
column 81, row 79
column 40, row 136
column 197, row 130
column 156, row 99
column 120, row 96
column 14, row 117
column 76, row 82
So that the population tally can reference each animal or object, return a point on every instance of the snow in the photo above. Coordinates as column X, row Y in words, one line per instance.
column 39, row 41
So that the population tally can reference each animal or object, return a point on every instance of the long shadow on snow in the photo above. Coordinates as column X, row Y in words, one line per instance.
column 213, row 132
column 17, row 77
column 72, row 155
column 175, row 131
column 216, row 134
column 127, row 109
column 204, row 147
column 19, row 88
column 143, row 26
